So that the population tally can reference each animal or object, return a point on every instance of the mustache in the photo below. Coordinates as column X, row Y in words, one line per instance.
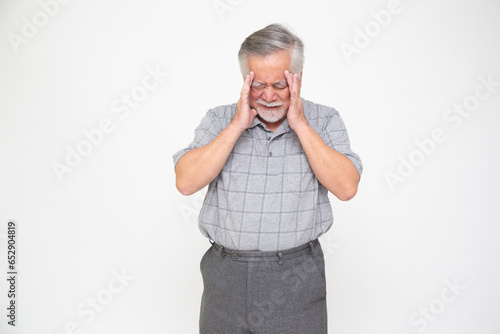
column 269, row 104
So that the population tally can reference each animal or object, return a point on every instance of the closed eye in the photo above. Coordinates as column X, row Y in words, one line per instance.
column 280, row 85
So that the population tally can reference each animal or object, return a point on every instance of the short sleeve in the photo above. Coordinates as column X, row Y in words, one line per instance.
column 208, row 129
column 335, row 136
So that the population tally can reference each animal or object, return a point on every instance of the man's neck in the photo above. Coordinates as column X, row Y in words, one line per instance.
column 274, row 125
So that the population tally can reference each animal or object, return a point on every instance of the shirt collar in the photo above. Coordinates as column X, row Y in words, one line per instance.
column 256, row 121
column 282, row 128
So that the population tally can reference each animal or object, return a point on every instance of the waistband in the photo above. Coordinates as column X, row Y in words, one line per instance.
column 254, row 256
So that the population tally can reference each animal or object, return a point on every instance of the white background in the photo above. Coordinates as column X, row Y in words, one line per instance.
column 389, row 251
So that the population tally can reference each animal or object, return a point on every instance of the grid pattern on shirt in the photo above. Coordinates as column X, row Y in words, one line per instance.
column 267, row 197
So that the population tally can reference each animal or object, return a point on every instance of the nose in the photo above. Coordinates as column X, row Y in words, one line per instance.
column 269, row 94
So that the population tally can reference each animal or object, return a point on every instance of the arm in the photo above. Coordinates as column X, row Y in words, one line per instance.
column 334, row 170
column 198, row 167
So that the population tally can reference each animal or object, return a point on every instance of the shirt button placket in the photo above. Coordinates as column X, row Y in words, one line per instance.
column 270, row 154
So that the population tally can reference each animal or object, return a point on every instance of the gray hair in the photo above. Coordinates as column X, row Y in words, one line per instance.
column 270, row 39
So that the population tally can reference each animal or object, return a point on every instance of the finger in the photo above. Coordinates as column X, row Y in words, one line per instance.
column 245, row 88
column 292, row 83
column 295, row 88
column 288, row 78
column 249, row 79
column 245, row 91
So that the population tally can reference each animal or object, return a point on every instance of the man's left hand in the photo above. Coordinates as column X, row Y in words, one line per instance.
column 295, row 114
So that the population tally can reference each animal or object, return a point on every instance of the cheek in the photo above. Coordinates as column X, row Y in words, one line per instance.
column 254, row 96
column 285, row 97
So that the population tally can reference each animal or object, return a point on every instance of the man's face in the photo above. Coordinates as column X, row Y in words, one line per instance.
column 269, row 92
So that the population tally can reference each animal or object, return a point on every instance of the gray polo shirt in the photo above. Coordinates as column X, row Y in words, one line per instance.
column 267, row 197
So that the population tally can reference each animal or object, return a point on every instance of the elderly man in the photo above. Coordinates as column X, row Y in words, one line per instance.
column 269, row 161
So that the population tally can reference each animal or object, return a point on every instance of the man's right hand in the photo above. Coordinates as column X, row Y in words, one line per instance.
column 198, row 167
column 245, row 114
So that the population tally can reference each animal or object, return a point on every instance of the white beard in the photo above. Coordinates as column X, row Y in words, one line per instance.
column 270, row 115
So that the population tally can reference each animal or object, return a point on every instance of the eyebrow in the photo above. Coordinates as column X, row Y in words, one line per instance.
column 279, row 83
column 255, row 83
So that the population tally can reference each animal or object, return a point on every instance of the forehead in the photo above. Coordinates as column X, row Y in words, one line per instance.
column 270, row 68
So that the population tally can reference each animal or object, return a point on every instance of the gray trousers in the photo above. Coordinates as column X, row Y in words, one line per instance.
column 264, row 292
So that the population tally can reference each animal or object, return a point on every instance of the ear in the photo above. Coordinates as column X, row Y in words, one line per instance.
column 300, row 80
